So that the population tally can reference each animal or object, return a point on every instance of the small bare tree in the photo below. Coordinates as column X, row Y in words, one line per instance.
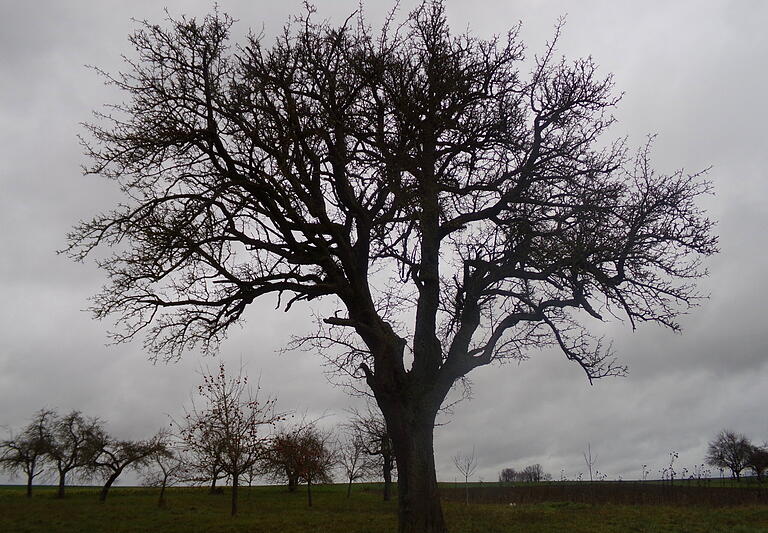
column 166, row 467
column 302, row 452
column 230, row 425
column 729, row 450
column 202, row 457
column 75, row 441
column 353, row 458
column 372, row 427
column 467, row 464
column 281, row 462
column 533, row 473
column 27, row 452
column 316, row 457
column 115, row 456
column 757, row 460
column 508, row 475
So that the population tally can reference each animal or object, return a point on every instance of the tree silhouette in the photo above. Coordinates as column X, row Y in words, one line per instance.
column 456, row 212
column 116, row 456
column 757, row 460
column 231, row 423
column 302, row 452
column 28, row 451
column 75, row 441
column 372, row 429
column 354, row 460
column 466, row 464
column 166, row 467
column 729, row 450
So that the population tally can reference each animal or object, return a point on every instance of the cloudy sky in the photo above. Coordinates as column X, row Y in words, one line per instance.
column 692, row 71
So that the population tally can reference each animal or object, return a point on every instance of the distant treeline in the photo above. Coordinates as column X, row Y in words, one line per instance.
column 729, row 451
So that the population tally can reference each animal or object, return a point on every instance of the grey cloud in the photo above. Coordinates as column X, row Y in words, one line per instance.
column 692, row 71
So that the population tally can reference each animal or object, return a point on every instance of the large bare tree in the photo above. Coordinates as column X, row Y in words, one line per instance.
column 454, row 211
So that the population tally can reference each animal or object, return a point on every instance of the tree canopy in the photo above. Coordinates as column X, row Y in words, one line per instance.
column 730, row 450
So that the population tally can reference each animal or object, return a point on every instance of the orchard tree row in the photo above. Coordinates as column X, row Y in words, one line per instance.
column 230, row 432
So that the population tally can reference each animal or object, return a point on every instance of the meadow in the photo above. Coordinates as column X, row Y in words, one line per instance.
column 273, row 509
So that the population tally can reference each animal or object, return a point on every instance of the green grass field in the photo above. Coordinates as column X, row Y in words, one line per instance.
column 273, row 509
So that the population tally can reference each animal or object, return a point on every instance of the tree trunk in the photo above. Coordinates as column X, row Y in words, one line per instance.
column 30, row 476
column 349, row 488
column 292, row 483
column 387, row 478
column 105, row 489
column 235, row 481
column 419, row 509
column 466, row 490
column 161, row 499
column 212, row 490
column 62, row 483
column 309, row 492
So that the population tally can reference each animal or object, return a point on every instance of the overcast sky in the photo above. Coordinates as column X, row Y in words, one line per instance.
column 692, row 71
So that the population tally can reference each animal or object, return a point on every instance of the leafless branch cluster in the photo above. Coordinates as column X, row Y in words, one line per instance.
column 338, row 157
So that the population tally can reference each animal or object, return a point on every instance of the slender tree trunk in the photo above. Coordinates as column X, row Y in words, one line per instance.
column 292, row 483
column 212, row 490
column 161, row 499
column 62, row 484
column 235, row 481
column 105, row 489
column 30, row 477
column 349, row 488
column 466, row 490
column 309, row 492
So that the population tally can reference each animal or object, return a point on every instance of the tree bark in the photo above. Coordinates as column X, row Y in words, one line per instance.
column 30, row 476
column 349, row 488
column 309, row 492
column 105, row 489
column 387, row 478
column 419, row 508
column 62, row 483
column 212, row 490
